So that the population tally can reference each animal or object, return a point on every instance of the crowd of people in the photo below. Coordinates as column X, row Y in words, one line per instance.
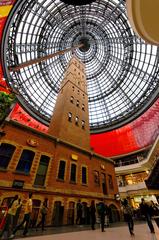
column 100, row 210
column 8, row 228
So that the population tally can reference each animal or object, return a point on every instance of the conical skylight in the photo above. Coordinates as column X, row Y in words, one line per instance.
column 122, row 70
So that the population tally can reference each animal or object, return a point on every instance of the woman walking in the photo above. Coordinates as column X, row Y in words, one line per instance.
column 128, row 216
column 10, row 218
column 26, row 219
column 93, row 214
column 43, row 211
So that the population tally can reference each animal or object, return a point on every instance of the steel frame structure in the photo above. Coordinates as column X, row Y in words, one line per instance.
column 122, row 70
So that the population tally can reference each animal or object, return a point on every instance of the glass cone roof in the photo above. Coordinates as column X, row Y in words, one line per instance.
column 122, row 70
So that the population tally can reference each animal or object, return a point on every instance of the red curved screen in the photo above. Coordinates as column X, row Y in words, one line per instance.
column 134, row 136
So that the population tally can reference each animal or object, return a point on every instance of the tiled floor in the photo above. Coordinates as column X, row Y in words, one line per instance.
column 115, row 233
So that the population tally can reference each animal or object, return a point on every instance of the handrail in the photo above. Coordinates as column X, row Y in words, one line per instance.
column 138, row 158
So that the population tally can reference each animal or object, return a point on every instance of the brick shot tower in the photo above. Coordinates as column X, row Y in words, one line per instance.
column 70, row 120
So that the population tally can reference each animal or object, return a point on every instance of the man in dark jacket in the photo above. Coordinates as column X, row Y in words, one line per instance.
column 102, row 213
column 147, row 212
column 128, row 216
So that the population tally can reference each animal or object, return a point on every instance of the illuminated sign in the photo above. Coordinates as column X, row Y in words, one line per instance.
column 74, row 157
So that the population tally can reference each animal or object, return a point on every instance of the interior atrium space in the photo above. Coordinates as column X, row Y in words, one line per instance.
column 79, row 116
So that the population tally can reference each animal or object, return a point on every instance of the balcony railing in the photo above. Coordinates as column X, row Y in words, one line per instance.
column 132, row 187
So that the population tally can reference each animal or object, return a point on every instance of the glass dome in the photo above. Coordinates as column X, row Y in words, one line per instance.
column 122, row 70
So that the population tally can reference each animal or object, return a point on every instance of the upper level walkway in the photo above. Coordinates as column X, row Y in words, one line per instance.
column 146, row 163
column 112, row 233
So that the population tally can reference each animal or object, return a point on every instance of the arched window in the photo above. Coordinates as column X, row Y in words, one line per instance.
column 73, row 173
column 104, row 185
column 71, row 99
column 83, row 107
column 25, row 161
column 42, row 171
column 76, row 120
column 83, row 124
column 6, row 153
column 110, row 182
column 35, row 211
column 61, row 172
column 77, row 103
column 69, row 116
column 58, row 212
column 71, row 213
column 84, row 175
column 96, row 177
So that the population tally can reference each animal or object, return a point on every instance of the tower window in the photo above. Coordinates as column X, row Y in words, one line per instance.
column 83, row 96
column 96, row 178
column 78, row 92
column 84, row 175
column 110, row 182
column 61, row 173
column 104, row 185
column 73, row 88
column 25, row 161
column 83, row 124
column 70, row 117
column 71, row 99
column 83, row 107
column 76, row 120
column 6, row 153
column 73, row 172
column 42, row 171
column 77, row 104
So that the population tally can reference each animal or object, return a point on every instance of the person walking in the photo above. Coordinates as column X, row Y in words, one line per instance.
column 10, row 218
column 128, row 216
column 26, row 219
column 93, row 214
column 84, row 213
column 146, row 210
column 102, row 213
column 79, row 212
column 107, row 215
column 43, row 211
